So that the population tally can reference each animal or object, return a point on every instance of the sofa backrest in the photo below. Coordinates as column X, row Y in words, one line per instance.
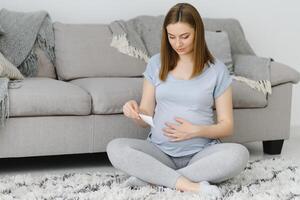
column 83, row 50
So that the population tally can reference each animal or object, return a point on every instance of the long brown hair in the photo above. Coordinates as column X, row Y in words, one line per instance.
column 186, row 13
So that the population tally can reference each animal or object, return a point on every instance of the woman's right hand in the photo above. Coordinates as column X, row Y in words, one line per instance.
column 131, row 109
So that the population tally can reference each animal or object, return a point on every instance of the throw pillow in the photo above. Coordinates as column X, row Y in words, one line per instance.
column 45, row 66
column 219, row 45
column 7, row 69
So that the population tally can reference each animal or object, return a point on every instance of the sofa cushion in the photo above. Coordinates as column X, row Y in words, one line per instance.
column 85, row 51
column 219, row 46
column 7, row 69
column 45, row 96
column 238, row 42
column 45, row 66
column 110, row 94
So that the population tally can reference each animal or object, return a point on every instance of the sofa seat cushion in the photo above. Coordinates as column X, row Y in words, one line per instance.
column 110, row 94
column 41, row 96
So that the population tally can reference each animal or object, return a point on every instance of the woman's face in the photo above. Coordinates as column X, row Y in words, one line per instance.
column 181, row 37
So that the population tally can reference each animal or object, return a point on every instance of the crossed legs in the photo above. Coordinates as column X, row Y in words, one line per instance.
column 142, row 159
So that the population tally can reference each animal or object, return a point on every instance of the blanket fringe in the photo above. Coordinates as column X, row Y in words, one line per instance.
column 42, row 43
column 261, row 85
column 29, row 66
column 121, row 43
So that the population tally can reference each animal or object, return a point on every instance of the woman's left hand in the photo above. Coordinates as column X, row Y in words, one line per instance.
column 182, row 131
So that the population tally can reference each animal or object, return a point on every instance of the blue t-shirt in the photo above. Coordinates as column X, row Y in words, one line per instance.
column 191, row 100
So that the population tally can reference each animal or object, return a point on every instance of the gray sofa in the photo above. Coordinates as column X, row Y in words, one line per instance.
column 81, row 110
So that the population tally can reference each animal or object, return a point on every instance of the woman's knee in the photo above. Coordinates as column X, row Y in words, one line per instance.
column 115, row 149
column 240, row 156
column 115, row 145
column 243, row 153
column 237, row 157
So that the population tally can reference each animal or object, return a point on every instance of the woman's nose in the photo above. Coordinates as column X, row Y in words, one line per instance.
column 178, row 43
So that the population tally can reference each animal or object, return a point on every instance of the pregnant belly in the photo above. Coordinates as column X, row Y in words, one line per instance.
column 164, row 115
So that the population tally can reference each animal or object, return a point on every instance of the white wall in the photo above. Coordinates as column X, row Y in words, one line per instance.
column 271, row 26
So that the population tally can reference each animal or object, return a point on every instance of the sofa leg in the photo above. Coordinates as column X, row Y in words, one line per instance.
column 273, row 147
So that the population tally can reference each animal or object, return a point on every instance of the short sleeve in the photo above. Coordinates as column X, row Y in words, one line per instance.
column 152, row 70
column 223, row 79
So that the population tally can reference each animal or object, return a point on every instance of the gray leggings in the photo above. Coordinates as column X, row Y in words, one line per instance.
column 142, row 159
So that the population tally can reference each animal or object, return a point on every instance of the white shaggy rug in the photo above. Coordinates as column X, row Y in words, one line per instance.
column 272, row 179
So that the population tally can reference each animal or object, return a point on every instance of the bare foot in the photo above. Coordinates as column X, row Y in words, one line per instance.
column 204, row 188
column 185, row 185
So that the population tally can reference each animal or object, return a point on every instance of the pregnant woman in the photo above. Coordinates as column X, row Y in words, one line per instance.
column 183, row 150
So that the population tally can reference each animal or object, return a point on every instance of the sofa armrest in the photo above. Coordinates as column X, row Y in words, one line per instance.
column 281, row 73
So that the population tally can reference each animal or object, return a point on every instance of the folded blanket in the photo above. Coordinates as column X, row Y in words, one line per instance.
column 3, row 101
column 140, row 37
column 23, row 33
column 5, row 83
